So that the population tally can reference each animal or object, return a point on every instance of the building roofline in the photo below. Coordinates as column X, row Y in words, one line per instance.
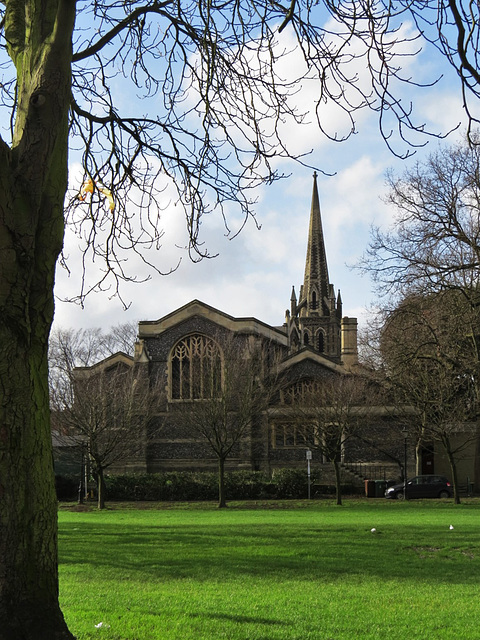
column 309, row 354
column 151, row 328
column 109, row 361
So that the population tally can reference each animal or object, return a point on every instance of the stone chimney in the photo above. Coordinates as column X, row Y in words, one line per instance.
column 349, row 342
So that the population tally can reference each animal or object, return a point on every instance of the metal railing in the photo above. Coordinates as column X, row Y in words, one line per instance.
column 367, row 471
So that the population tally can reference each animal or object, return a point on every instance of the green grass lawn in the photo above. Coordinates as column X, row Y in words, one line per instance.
column 297, row 571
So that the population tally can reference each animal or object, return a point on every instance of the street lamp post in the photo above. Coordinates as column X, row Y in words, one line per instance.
column 309, row 457
column 405, row 436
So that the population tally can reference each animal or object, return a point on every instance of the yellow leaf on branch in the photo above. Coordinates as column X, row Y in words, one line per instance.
column 89, row 187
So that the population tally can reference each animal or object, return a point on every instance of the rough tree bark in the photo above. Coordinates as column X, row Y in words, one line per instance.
column 33, row 181
column 338, row 482
column 453, row 468
column 222, row 499
column 101, row 487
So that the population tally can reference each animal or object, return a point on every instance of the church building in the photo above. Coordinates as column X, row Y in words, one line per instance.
column 313, row 342
column 184, row 356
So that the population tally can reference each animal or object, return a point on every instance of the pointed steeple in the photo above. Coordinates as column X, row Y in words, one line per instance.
column 316, row 288
column 293, row 302
column 315, row 323
column 339, row 305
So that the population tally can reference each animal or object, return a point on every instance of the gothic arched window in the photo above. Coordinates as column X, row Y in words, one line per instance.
column 321, row 341
column 313, row 304
column 195, row 368
column 301, row 391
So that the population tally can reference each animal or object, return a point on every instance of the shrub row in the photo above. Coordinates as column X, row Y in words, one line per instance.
column 184, row 486
column 190, row 485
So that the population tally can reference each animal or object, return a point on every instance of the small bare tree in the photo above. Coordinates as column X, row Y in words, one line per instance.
column 240, row 386
column 105, row 408
column 110, row 416
column 328, row 413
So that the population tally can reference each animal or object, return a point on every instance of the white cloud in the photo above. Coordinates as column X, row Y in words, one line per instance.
column 254, row 273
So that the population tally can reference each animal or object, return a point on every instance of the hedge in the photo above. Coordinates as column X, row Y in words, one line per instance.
column 184, row 486
column 189, row 485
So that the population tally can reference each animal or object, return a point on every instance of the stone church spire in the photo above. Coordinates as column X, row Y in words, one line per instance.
column 316, row 290
column 315, row 322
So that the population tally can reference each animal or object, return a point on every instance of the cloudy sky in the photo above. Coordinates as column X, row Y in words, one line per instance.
column 254, row 272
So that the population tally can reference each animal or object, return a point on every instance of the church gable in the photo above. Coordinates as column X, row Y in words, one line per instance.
column 116, row 360
column 160, row 344
column 309, row 361
column 200, row 310
column 195, row 308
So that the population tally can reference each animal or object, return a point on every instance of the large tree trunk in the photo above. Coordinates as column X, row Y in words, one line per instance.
column 28, row 507
column 33, row 180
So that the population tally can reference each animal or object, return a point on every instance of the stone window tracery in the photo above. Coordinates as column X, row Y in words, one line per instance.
column 288, row 435
column 195, row 368
column 300, row 391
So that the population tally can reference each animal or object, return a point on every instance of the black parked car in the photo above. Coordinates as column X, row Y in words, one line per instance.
column 428, row 486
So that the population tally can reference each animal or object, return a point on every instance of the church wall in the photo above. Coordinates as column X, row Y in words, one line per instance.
column 307, row 369
column 173, row 446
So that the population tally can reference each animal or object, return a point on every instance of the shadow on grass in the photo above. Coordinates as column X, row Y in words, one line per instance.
column 200, row 553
